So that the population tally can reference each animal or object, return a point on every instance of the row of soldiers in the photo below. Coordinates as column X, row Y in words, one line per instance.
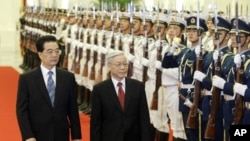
column 187, row 63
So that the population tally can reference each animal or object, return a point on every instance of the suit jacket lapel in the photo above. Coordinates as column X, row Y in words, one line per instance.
column 59, row 86
column 41, row 85
column 113, row 94
column 128, row 93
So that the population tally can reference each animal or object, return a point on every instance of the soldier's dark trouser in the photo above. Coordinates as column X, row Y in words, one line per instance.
column 161, row 136
column 228, row 116
column 80, row 94
column 86, row 108
column 24, row 60
column 206, row 108
column 178, row 139
column 84, row 104
column 191, row 134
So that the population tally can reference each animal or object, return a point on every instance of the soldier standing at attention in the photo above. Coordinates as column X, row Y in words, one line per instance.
column 186, row 61
column 207, row 72
column 230, row 65
column 169, row 90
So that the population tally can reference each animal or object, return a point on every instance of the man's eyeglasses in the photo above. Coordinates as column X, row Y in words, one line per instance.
column 50, row 51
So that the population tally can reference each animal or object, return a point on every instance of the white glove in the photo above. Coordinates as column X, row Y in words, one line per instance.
column 218, row 82
column 197, row 50
column 215, row 55
column 104, row 50
column 157, row 43
column 130, row 39
column 131, row 57
column 145, row 62
column 158, row 65
column 173, row 48
column 237, row 60
column 198, row 75
column 188, row 103
column 144, row 41
column 240, row 88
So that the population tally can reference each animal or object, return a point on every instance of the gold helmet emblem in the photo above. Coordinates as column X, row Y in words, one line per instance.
column 193, row 20
column 235, row 22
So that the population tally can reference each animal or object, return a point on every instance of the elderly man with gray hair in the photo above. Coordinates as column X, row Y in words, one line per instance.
column 119, row 105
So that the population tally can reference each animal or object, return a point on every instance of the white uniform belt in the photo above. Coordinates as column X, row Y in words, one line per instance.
column 165, row 86
column 221, row 93
column 208, row 92
column 186, row 86
column 247, row 105
column 228, row 97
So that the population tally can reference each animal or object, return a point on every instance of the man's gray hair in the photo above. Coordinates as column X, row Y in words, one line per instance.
column 112, row 54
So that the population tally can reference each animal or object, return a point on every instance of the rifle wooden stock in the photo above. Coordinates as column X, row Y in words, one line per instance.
column 85, row 68
column 78, row 63
column 81, row 36
column 130, row 65
column 120, row 43
column 92, row 73
column 96, row 39
column 73, row 67
column 192, row 119
column 88, row 38
column 65, row 60
column 215, row 105
column 112, row 42
column 154, row 103
column 238, row 110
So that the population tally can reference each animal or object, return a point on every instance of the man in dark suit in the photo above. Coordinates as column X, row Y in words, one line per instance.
column 46, row 105
column 112, row 120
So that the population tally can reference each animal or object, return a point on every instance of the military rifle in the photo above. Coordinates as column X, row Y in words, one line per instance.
column 158, row 73
column 66, row 57
column 76, row 55
column 215, row 103
column 100, row 71
column 85, row 68
column 131, row 47
column 95, row 54
column 238, row 110
column 145, row 50
column 192, row 119
column 78, row 62
column 102, row 61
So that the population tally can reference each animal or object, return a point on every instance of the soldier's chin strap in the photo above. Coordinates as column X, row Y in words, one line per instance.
column 242, row 45
column 223, row 38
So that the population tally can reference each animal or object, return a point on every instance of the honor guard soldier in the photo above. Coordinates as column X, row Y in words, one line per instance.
column 70, row 40
column 155, row 52
column 125, row 26
column 104, row 43
column 186, row 61
column 222, row 28
column 136, row 53
column 208, row 38
column 240, row 39
column 169, row 92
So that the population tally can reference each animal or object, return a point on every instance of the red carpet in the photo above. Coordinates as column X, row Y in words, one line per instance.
column 9, row 129
column 8, row 87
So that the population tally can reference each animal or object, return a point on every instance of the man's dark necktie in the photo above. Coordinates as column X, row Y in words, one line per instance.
column 51, row 87
column 121, row 95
